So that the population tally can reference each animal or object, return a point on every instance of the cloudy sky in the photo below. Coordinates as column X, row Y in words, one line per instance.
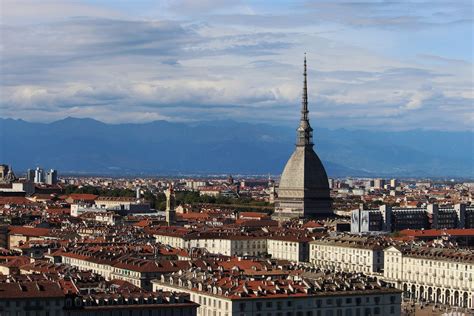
column 372, row 64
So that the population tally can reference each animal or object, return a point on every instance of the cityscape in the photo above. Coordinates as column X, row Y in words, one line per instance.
column 221, row 226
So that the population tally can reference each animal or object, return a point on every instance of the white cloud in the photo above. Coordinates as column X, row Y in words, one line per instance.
column 119, row 68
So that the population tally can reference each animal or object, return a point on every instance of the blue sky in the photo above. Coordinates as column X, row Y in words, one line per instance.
column 383, row 65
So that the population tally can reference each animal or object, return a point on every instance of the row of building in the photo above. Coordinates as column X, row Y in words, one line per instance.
column 433, row 216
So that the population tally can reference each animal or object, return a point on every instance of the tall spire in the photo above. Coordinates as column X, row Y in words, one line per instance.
column 304, row 101
column 304, row 131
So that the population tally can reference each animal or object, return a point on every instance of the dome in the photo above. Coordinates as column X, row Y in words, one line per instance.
column 305, row 171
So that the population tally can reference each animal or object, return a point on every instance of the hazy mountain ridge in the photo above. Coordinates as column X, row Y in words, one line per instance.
column 161, row 147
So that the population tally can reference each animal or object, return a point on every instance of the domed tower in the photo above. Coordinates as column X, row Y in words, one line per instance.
column 304, row 186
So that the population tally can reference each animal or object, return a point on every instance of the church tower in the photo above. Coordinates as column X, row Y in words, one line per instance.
column 170, row 205
column 304, row 186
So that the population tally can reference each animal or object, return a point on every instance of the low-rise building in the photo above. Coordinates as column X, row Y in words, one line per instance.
column 62, row 298
column 390, row 219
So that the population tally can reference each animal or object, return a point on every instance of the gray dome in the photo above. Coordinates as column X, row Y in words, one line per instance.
column 305, row 171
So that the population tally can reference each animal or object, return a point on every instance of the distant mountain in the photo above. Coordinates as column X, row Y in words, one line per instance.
column 88, row 146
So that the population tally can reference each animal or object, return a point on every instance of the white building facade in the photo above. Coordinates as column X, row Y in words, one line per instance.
column 436, row 275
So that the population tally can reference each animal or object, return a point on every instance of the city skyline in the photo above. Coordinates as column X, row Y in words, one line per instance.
column 380, row 65
column 236, row 158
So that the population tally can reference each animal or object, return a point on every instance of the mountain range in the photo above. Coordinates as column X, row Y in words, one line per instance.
column 74, row 145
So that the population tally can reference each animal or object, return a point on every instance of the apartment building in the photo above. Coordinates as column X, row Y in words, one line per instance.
column 121, row 265
column 229, row 243
column 324, row 295
column 61, row 298
column 391, row 219
column 285, row 245
column 440, row 275
column 349, row 253
column 292, row 247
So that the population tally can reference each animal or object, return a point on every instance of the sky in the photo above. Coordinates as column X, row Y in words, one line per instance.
column 378, row 65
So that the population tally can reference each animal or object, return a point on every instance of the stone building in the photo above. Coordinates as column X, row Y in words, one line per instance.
column 440, row 275
column 304, row 188
column 390, row 219
column 318, row 294
column 349, row 253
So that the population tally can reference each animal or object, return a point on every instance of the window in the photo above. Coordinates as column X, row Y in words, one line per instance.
column 242, row 306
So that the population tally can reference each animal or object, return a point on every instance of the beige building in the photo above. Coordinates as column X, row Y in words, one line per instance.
column 229, row 244
column 110, row 202
column 292, row 248
column 432, row 274
column 174, row 240
column 348, row 253
column 137, row 271
column 43, row 298
column 100, row 265
column 226, row 296
column 21, row 234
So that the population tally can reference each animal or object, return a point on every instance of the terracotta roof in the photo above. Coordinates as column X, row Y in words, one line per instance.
column 38, row 289
column 253, row 214
column 438, row 232
column 18, row 200
column 82, row 196
column 29, row 231
column 312, row 224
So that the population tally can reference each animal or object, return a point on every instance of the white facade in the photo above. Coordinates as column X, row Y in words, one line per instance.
column 214, row 303
column 39, row 175
column 432, row 279
column 287, row 250
column 225, row 245
column 103, row 269
column 77, row 210
column 346, row 258
column 173, row 241
column 231, row 246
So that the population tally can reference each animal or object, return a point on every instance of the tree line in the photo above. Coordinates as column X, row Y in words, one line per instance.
column 158, row 200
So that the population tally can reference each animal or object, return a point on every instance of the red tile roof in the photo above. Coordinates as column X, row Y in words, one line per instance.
column 438, row 232
column 83, row 197
column 39, row 289
column 29, row 231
